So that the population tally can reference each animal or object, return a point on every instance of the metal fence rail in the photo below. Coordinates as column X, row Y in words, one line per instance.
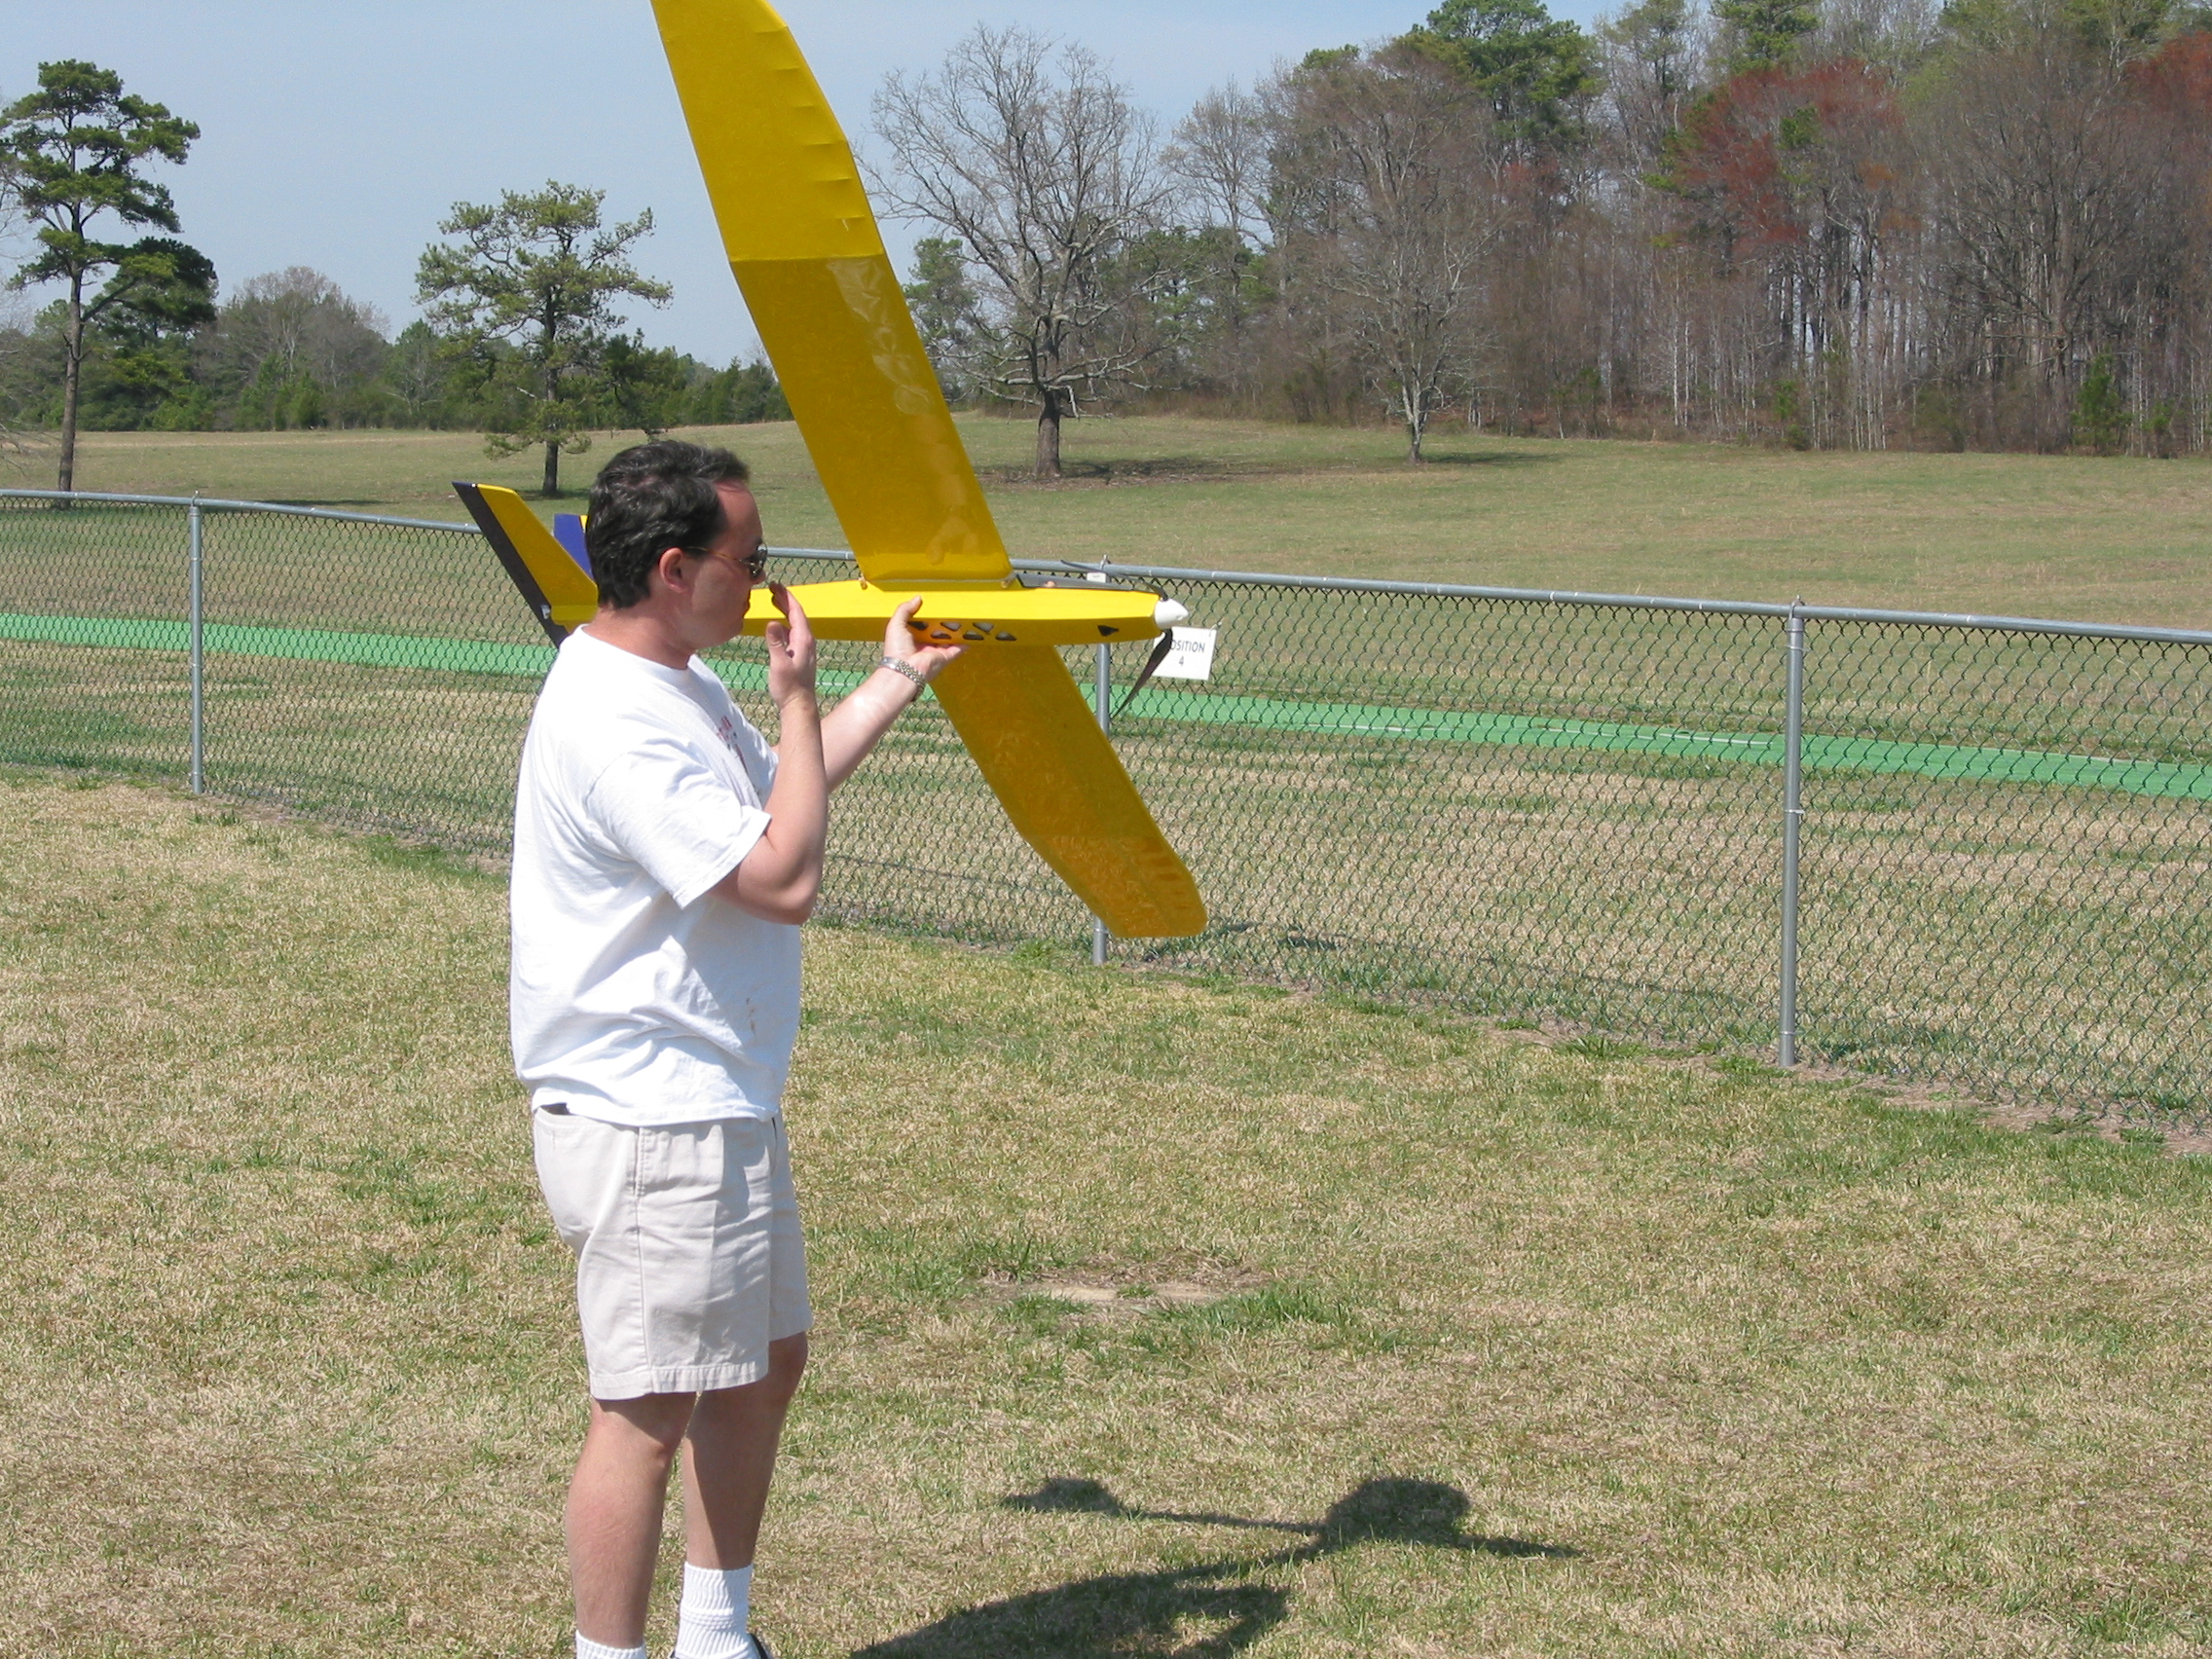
column 1974, row 850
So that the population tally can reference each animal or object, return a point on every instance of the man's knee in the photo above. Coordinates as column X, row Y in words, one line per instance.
column 787, row 1363
column 653, row 1424
column 772, row 1392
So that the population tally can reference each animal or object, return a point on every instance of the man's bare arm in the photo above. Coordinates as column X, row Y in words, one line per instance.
column 858, row 723
column 781, row 877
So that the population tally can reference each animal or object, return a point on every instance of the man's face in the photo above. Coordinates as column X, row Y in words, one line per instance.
column 721, row 581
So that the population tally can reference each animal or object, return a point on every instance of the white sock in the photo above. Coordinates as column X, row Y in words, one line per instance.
column 586, row 1648
column 711, row 1622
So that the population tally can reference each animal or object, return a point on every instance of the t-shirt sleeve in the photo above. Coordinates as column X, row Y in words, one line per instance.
column 665, row 808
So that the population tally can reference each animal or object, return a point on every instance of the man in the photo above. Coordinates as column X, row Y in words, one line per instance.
column 664, row 858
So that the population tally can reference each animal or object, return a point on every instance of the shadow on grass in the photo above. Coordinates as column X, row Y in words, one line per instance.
column 1489, row 458
column 1205, row 1611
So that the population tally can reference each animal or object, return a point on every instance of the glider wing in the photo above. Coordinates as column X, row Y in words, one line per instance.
column 803, row 243
column 1039, row 747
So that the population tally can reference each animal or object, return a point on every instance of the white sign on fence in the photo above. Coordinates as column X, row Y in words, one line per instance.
column 1191, row 658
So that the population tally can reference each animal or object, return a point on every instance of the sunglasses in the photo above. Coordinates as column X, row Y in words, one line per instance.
column 754, row 563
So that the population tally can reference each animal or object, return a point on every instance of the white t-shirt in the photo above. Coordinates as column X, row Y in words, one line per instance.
column 633, row 997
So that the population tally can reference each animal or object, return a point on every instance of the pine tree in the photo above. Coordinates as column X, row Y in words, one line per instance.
column 71, row 153
column 527, row 298
column 1763, row 33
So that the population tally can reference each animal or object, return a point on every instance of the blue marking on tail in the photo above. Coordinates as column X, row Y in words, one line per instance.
column 568, row 531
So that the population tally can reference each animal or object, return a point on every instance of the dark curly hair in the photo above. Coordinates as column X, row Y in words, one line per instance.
column 648, row 498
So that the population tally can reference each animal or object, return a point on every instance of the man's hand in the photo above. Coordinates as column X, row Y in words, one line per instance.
column 791, row 649
column 901, row 645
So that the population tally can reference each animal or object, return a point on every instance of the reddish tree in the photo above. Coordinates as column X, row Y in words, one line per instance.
column 1797, row 182
column 1776, row 154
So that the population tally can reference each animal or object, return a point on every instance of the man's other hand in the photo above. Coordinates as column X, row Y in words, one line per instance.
column 901, row 645
column 791, row 649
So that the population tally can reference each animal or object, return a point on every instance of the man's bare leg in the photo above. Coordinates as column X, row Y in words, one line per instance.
column 616, row 1500
column 729, row 1457
column 614, row 1511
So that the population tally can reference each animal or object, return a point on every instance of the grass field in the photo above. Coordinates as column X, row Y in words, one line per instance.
column 1156, row 1317
column 2114, row 539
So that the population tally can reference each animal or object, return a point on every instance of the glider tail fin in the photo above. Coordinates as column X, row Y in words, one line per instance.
column 558, row 590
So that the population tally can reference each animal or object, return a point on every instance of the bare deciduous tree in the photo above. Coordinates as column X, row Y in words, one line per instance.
column 1220, row 156
column 16, row 443
column 291, row 329
column 1219, row 161
column 2043, row 207
column 1038, row 164
column 1385, row 198
column 1652, row 57
column 20, row 444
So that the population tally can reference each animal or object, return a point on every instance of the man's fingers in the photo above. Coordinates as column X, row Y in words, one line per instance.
column 788, row 602
column 901, row 645
column 896, row 637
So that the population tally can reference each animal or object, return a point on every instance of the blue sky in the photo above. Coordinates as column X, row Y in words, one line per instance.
column 337, row 136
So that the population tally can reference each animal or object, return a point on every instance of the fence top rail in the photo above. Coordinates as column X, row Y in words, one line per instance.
column 1611, row 600
column 215, row 504
column 1333, row 584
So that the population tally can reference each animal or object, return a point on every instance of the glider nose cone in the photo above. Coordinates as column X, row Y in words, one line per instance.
column 1166, row 613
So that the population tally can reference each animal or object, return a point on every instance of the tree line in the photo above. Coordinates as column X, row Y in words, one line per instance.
column 521, row 337
column 290, row 350
column 1816, row 223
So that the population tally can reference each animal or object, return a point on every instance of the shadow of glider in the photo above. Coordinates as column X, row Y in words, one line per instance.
column 1206, row 1609
column 803, row 243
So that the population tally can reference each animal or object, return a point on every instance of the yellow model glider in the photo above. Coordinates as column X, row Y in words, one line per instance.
column 803, row 243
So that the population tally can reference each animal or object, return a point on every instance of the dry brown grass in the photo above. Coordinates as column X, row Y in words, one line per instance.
column 1517, row 1350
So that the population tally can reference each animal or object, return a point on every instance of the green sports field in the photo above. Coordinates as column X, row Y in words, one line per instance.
column 2106, row 540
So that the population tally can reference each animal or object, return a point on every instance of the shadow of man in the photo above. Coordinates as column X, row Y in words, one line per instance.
column 1206, row 1611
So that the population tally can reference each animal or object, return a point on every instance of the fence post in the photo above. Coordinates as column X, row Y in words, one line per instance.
column 1102, row 688
column 1792, row 817
column 199, row 655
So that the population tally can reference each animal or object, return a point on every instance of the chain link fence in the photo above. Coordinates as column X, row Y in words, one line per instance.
column 1554, row 807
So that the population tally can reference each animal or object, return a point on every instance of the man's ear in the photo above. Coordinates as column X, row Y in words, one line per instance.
column 670, row 568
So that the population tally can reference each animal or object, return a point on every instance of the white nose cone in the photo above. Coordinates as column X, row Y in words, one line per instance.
column 1166, row 613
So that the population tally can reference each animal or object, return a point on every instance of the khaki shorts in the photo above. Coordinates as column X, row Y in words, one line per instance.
column 687, row 1237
